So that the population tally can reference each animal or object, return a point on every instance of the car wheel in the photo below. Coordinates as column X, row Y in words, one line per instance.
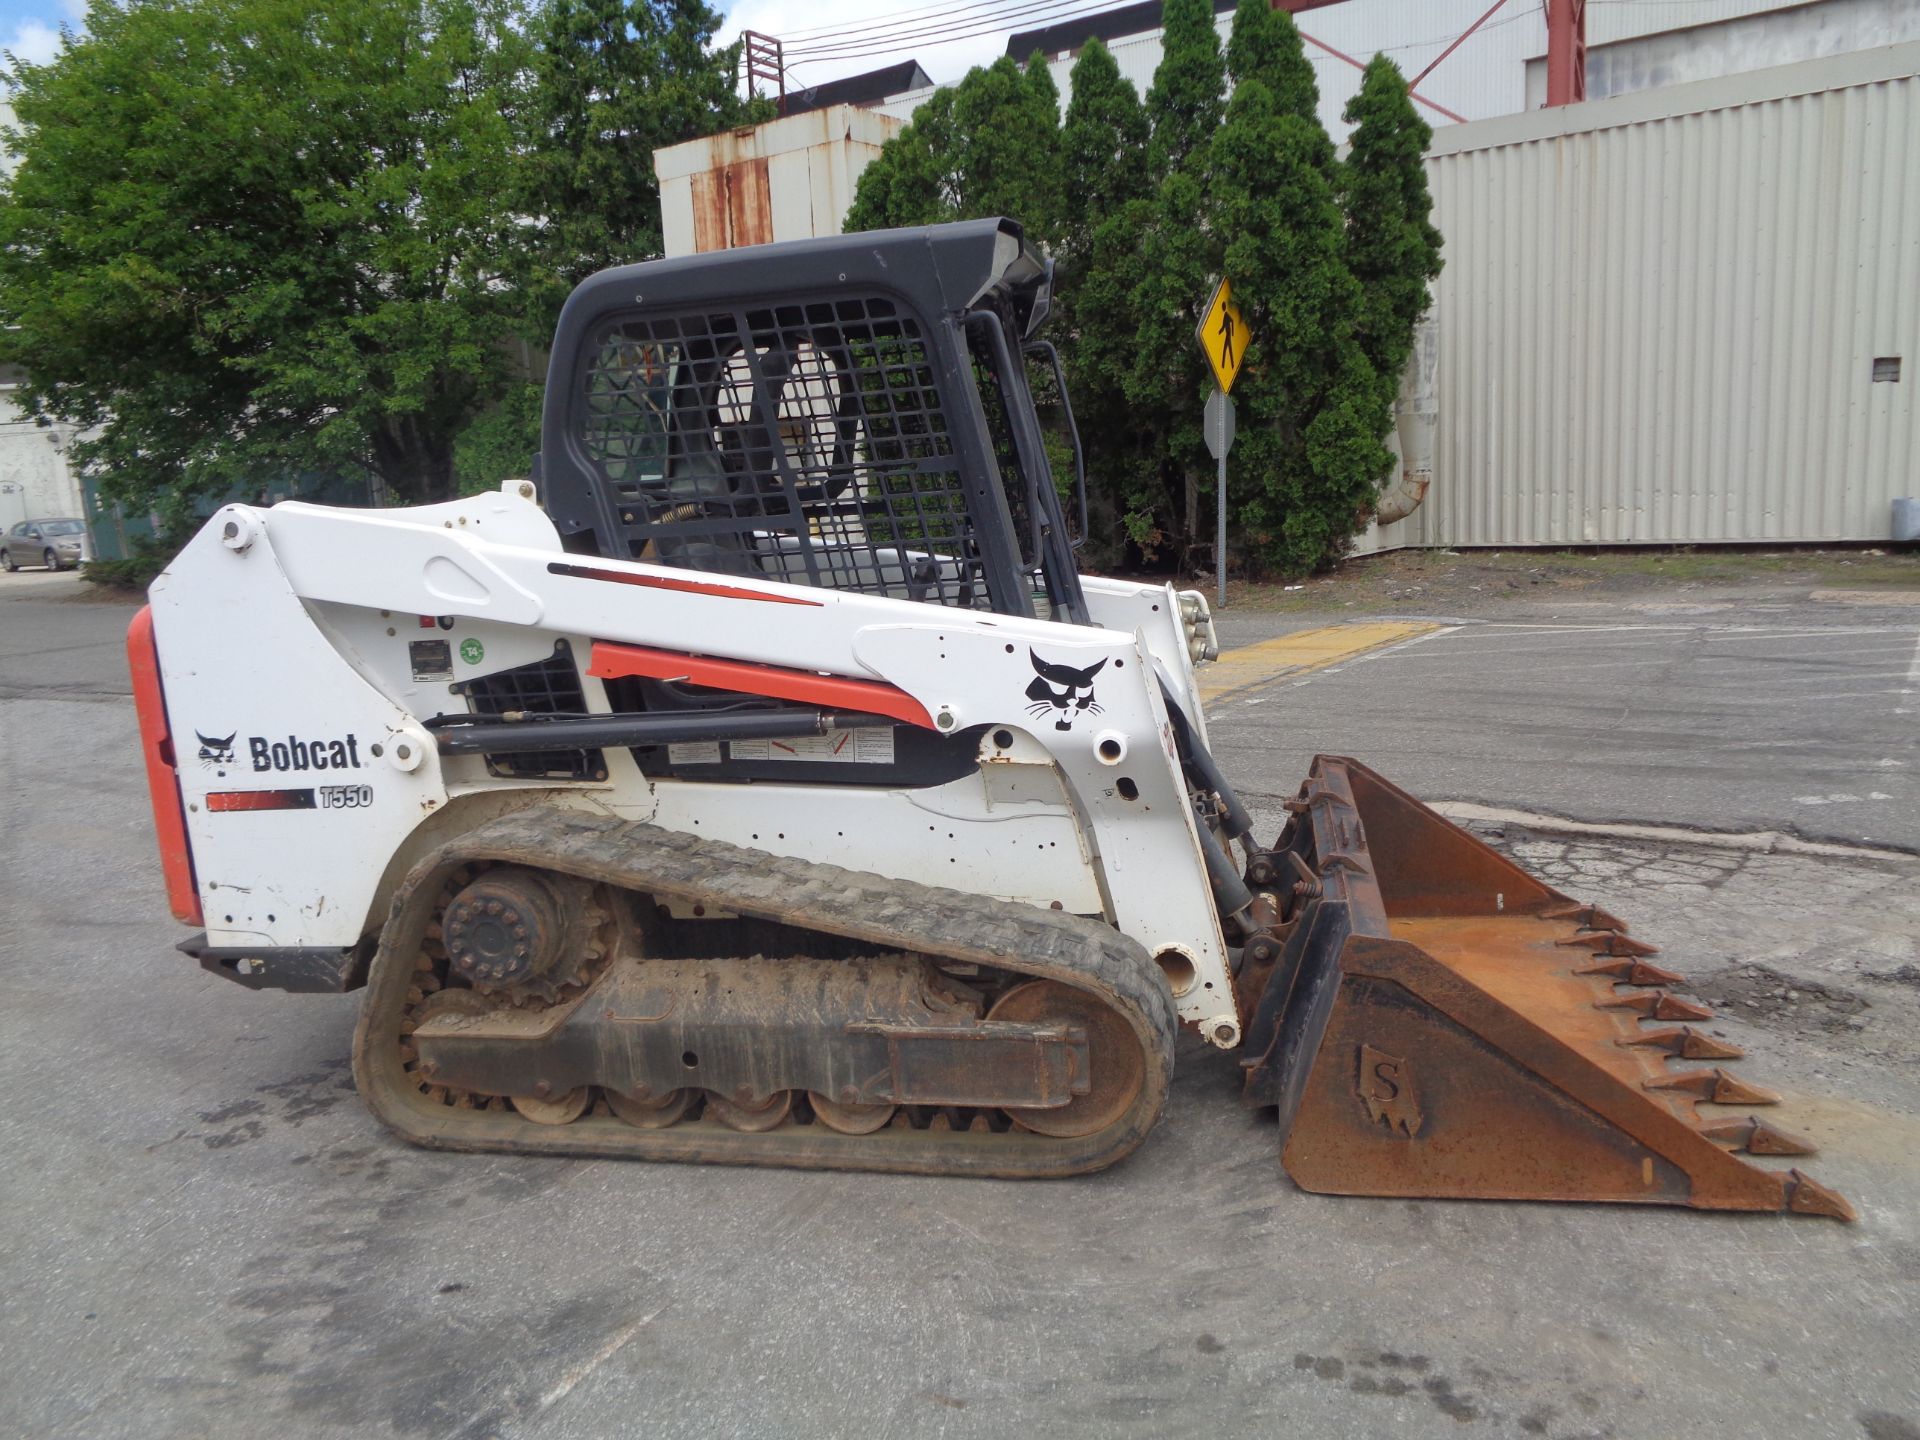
column 53, row 560
column 6, row 562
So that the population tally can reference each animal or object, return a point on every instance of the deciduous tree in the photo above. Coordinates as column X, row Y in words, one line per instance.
column 249, row 237
column 253, row 238
column 613, row 80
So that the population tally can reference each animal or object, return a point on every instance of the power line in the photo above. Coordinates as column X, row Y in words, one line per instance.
column 1053, row 11
column 940, row 7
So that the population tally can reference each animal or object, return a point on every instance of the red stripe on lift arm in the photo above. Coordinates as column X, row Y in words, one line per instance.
column 613, row 661
column 669, row 582
column 163, row 782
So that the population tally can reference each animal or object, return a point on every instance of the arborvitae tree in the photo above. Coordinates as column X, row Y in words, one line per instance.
column 1103, row 189
column 1103, row 158
column 1009, row 126
column 1392, row 248
column 1265, row 45
column 1187, row 97
column 1167, row 381
column 988, row 146
column 912, row 181
column 1042, row 131
column 1308, row 456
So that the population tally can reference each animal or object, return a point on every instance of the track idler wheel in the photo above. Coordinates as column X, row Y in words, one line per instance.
column 766, row 1115
column 847, row 1118
column 560, row 1110
column 651, row 1113
column 1113, row 1057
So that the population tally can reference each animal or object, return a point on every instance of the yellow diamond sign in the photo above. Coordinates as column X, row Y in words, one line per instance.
column 1223, row 335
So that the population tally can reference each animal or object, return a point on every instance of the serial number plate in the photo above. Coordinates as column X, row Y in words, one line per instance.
column 345, row 797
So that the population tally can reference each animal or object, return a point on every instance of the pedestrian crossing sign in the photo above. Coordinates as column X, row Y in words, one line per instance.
column 1223, row 335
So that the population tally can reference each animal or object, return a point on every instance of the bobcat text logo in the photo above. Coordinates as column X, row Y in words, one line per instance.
column 294, row 753
column 1062, row 691
column 1386, row 1088
column 215, row 750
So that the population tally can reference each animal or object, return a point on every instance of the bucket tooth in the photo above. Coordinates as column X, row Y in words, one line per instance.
column 1423, row 1033
column 1658, row 1005
column 1717, row 1086
column 1609, row 942
column 1632, row 972
column 1756, row 1137
column 1807, row 1196
column 1591, row 917
column 1685, row 1043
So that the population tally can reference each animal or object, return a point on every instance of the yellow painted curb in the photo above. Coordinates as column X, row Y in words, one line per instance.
column 1301, row 653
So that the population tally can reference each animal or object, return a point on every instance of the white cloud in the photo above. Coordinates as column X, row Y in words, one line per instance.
column 36, row 40
column 941, row 56
column 33, row 41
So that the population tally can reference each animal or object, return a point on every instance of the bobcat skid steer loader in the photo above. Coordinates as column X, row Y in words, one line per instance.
column 762, row 783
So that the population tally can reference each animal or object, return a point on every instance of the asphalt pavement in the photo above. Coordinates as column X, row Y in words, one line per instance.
column 208, row 1236
column 1726, row 716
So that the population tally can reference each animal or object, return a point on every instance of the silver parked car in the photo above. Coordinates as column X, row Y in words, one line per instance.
column 56, row 544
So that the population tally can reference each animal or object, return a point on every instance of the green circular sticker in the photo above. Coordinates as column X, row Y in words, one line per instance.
column 472, row 651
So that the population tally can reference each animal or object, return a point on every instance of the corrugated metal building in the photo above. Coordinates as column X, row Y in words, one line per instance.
column 1686, row 315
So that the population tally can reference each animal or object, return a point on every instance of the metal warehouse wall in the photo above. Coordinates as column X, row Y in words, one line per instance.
column 1660, row 314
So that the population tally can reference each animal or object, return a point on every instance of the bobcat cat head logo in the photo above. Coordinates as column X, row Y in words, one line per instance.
column 1062, row 691
column 215, row 750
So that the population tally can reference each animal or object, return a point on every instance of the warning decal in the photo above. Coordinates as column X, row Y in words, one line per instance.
column 870, row 746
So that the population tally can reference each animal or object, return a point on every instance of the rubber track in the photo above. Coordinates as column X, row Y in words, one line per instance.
column 894, row 915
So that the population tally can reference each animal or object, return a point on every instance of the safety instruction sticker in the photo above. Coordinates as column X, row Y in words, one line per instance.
column 872, row 746
column 699, row 752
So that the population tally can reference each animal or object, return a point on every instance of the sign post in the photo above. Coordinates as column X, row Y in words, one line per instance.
column 1223, row 339
column 1217, row 423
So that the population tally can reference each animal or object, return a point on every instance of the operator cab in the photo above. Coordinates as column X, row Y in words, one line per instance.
column 852, row 412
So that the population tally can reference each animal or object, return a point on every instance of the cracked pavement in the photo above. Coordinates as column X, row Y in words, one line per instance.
column 209, row 1237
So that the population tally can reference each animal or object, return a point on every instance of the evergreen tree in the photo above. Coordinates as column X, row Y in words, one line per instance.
column 1265, row 45
column 1103, row 145
column 1392, row 247
column 1042, row 131
column 1308, row 455
column 987, row 146
column 1009, row 131
column 1104, row 190
column 913, row 180
column 1186, row 99
column 1167, row 380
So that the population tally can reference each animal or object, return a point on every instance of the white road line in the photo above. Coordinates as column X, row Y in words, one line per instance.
column 1721, row 628
column 1912, row 686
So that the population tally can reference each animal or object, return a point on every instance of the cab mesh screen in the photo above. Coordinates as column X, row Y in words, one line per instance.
column 805, row 443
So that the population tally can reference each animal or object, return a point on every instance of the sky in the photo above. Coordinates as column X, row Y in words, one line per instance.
column 945, row 56
column 30, row 29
